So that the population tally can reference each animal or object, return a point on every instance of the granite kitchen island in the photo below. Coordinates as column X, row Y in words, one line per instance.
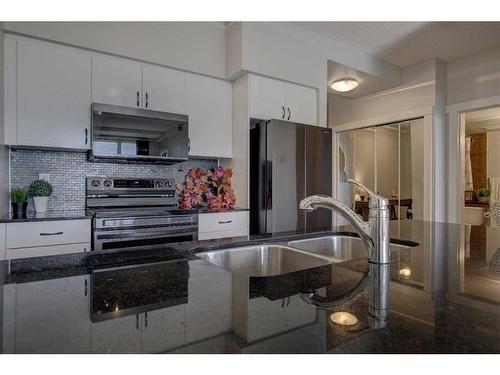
column 167, row 299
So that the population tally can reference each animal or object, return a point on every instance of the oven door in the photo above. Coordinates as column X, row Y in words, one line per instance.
column 120, row 235
column 134, row 134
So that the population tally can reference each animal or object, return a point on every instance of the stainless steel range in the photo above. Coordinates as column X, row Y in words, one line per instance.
column 135, row 212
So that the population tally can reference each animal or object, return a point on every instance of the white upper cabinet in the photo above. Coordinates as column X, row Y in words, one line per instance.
column 301, row 104
column 53, row 95
column 164, row 89
column 273, row 99
column 209, row 107
column 116, row 81
column 267, row 98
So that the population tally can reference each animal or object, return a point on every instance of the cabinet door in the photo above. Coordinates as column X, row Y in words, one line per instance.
column 53, row 95
column 298, row 313
column 209, row 107
column 121, row 335
column 267, row 98
column 265, row 318
column 208, row 311
column 163, row 329
column 116, row 81
column 164, row 89
column 53, row 316
column 301, row 104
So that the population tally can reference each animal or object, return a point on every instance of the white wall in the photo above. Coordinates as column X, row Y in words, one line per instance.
column 474, row 77
column 417, row 91
column 194, row 46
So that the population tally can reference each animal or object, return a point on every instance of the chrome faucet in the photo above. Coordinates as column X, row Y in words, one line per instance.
column 374, row 233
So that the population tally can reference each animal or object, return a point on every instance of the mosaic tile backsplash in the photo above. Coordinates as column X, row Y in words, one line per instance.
column 68, row 171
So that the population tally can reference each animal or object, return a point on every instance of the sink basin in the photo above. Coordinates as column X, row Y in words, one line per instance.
column 263, row 260
column 339, row 248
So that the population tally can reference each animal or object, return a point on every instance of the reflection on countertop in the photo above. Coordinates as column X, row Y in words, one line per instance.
column 178, row 303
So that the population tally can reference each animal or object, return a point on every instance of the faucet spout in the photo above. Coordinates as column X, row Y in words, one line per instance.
column 374, row 233
column 314, row 202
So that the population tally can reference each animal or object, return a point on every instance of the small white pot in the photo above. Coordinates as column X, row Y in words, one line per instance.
column 41, row 203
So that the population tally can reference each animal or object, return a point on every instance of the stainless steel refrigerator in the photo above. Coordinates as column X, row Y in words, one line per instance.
column 288, row 161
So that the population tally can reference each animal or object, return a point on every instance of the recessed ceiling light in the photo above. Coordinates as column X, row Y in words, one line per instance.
column 343, row 318
column 344, row 84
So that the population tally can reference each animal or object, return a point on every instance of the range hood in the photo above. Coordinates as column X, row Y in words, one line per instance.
column 134, row 135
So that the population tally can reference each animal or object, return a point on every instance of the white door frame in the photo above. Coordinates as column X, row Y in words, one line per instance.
column 428, row 114
column 456, row 152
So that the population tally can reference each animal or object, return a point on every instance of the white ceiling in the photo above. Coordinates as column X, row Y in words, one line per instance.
column 407, row 43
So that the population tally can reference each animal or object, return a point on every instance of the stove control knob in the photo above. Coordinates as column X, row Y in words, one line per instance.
column 95, row 183
column 168, row 184
column 158, row 184
column 108, row 183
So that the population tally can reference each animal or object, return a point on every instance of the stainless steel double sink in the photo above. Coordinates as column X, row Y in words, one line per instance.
column 274, row 259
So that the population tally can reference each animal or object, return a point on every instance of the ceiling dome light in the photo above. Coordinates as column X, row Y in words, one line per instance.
column 343, row 318
column 344, row 84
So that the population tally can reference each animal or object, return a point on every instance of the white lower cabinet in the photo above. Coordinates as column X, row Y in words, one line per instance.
column 44, row 238
column 121, row 335
column 208, row 311
column 52, row 316
column 222, row 224
column 163, row 329
column 267, row 318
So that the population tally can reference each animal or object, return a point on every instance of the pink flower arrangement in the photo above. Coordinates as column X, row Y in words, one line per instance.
column 207, row 188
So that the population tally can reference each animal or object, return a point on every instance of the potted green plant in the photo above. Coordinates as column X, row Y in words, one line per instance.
column 19, row 202
column 484, row 195
column 40, row 190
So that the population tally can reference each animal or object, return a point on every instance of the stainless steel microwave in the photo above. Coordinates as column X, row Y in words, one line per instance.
column 124, row 134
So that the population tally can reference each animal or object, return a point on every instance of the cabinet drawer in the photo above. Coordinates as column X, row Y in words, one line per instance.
column 42, row 251
column 47, row 233
column 223, row 222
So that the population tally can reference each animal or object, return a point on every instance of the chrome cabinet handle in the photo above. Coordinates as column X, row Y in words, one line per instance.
column 189, row 144
column 283, row 111
column 282, row 302
column 147, row 100
column 288, row 301
column 146, row 319
column 86, row 136
column 225, row 222
column 136, row 321
column 86, row 288
column 289, row 113
column 138, row 98
column 51, row 234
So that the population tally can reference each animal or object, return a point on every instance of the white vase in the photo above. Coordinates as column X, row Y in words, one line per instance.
column 41, row 203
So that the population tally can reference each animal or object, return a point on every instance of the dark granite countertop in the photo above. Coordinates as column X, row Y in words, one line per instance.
column 46, row 216
column 208, row 211
column 443, row 298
